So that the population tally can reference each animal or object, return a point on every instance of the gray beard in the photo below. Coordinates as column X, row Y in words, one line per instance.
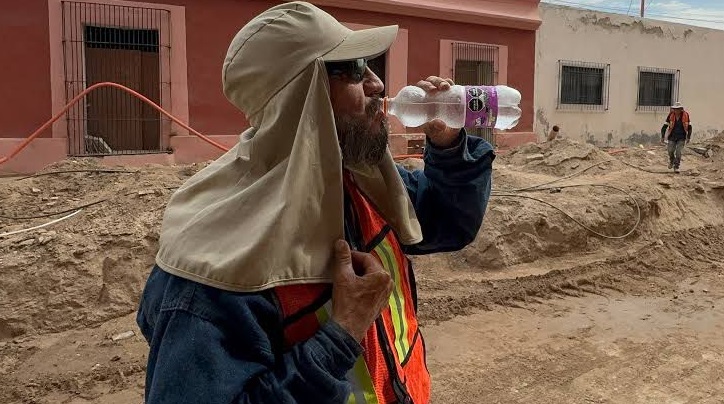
column 361, row 143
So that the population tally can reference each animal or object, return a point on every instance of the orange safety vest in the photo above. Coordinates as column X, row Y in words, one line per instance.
column 392, row 368
column 684, row 118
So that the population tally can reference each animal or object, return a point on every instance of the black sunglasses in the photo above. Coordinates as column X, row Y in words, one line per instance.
column 352, row 69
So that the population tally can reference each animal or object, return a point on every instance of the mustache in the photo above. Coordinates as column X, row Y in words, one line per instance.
column 373, row 106
column 361, row 140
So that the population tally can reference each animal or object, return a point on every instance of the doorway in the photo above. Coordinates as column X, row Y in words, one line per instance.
column 128, row 57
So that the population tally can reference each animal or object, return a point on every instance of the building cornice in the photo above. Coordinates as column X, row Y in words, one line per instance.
column 517, row 14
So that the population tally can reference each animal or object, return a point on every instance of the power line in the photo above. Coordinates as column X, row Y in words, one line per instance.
column 619, row 10
column 687, row 19
column 689, row 15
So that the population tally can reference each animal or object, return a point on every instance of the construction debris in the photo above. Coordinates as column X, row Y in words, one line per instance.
column 123, row 335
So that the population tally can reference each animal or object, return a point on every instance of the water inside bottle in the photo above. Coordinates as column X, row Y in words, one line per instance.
column 414, row 113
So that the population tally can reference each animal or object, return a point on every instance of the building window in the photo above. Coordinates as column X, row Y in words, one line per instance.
column 476, row 64
column 583, row 85
column 658, row 88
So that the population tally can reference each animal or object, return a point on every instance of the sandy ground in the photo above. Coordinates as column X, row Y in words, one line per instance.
column 536, row 310
column 639, row 332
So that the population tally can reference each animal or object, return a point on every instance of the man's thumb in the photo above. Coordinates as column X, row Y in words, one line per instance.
column 342, row 258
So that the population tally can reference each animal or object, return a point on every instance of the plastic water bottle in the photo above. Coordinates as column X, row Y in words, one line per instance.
column 461, row 106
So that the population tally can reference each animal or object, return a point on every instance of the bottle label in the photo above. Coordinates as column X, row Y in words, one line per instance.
column 482, row 106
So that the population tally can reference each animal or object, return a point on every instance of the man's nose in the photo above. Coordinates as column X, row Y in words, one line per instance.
column 372, row 84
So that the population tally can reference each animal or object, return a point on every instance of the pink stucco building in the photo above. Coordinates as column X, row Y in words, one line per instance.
column 172, row 52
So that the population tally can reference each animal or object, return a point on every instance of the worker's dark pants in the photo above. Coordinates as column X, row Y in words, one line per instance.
column 675, row 149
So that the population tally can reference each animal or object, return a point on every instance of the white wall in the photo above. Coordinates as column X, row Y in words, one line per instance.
column 627, row 43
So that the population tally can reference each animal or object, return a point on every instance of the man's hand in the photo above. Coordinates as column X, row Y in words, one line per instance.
column 440, row 135
column 361, row 289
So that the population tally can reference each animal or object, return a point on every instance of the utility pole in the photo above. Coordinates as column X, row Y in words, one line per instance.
column 643, row 8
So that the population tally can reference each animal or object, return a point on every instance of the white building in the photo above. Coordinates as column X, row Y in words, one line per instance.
column 610, row 79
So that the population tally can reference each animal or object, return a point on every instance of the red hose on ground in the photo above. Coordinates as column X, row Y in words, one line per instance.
column 83, row 94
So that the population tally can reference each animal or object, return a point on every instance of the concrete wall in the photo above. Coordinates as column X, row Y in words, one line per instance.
column 627, row 43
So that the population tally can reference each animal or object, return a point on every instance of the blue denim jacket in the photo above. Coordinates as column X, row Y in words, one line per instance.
column 213, row 346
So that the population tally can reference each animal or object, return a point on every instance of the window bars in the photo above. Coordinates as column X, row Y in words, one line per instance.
column 126, row 45
column 658, row 88
column 583, row 85
column 476, row 64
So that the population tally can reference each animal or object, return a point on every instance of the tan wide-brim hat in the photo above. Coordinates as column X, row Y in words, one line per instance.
column 363, row 44
column 282, row 42
column 268, row 212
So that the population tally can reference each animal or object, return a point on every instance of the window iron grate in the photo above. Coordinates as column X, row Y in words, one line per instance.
column 126, row 45
column 476, row 64
column 583, row 86
column 658, row 89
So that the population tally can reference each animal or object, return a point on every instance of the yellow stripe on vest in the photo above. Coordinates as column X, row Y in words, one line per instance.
column 397, row 298
column 359, row 376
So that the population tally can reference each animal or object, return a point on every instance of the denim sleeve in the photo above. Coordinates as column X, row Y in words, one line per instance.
column 198, row 357
column 451, row 194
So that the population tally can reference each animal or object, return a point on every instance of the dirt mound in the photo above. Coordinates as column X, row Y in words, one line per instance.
column 660, row 261
column 83, row 276
column 520, row 230
column 715, row 148
column 651, row 158
column 525, row 227
column 90, row 267
column 559, row 157
column 717, row 139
